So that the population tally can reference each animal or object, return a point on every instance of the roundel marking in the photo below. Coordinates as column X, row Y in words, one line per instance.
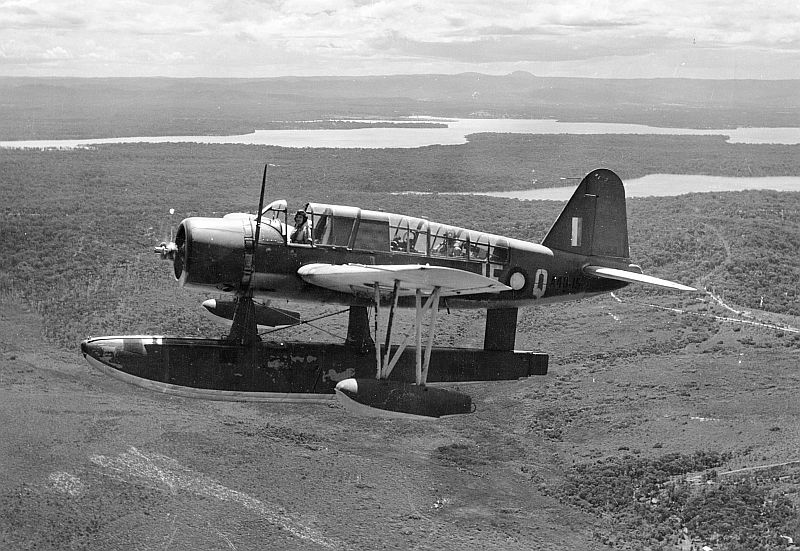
column 517, row 281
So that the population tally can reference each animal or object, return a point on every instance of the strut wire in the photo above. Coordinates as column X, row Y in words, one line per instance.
column 309, row 323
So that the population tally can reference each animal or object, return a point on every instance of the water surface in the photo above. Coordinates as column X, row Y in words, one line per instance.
column 455, row 133
column 664, row 185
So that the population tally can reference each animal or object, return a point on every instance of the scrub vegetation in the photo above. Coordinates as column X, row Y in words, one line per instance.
column 661, row 501
column 78, row 227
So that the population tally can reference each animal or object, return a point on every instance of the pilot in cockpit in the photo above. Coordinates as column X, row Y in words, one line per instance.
column 301, row 233
column 450, row 246
column 400, row 243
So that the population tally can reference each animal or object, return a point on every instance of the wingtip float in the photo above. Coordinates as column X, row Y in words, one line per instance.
column 399, row 400
column 366, row 260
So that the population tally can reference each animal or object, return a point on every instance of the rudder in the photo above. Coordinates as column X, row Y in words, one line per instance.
column 595, row 220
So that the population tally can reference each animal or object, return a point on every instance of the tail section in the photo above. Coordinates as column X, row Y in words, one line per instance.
column 595, row 220
column 595, row 223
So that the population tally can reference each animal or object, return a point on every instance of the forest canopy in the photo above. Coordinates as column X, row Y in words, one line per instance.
column 78, row 225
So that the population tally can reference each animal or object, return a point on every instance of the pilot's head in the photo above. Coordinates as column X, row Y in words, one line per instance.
column 300, row 216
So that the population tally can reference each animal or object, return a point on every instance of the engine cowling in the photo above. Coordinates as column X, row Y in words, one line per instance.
column 210, row 252
column 217, row 253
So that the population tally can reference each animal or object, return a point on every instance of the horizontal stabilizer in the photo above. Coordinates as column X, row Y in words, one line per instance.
column 634, row 277
column 360, row 279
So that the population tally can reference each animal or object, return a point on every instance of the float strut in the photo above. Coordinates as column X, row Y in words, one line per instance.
column 388, row 344
column 244, row 330
column 379, row 368
column 433, row 305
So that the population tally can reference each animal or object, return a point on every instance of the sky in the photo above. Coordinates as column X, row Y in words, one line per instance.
column 268, row 38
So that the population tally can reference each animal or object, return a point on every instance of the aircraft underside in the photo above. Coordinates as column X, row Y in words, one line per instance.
column 255, row 370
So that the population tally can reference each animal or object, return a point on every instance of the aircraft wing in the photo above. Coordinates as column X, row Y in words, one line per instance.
column 634, row 277
column 360, row 279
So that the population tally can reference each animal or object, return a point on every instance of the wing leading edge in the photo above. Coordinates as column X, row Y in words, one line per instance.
column 361, row 278
column 634, row 277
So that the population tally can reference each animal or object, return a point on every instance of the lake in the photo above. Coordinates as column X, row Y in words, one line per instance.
column 663, row 185
column 454, row 133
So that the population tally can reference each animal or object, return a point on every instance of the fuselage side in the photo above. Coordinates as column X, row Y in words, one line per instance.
column 212, row 259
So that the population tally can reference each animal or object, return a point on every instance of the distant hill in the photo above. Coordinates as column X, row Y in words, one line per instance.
column 41, row 108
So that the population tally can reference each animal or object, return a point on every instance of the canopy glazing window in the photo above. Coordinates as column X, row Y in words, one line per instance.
column 332, row 225
column 408, row 235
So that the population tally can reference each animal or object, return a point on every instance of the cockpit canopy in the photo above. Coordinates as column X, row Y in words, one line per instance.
column 368, row 230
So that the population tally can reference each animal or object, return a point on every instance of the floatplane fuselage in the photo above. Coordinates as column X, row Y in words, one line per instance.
column 368, row 259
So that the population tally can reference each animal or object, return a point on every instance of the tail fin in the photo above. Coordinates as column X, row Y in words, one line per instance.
column 595, row 220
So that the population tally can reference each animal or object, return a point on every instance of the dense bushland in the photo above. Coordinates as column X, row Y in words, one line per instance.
column 655, row 505
column 78, row 225
column 77, row 229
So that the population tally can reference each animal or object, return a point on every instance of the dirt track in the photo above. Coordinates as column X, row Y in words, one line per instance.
column 93, row 463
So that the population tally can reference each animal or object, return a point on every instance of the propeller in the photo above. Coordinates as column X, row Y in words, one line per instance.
column 260, row 208
column 244, row 327
column 168, row 249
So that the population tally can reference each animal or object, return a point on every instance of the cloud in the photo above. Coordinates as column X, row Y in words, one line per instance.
column 506, row 44
column 246, row 37
column 256, row 37
column 15, row 15
column 12, row 51
column 56, row 53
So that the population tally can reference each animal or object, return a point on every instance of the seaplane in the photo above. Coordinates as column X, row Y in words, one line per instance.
column 371, row 262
